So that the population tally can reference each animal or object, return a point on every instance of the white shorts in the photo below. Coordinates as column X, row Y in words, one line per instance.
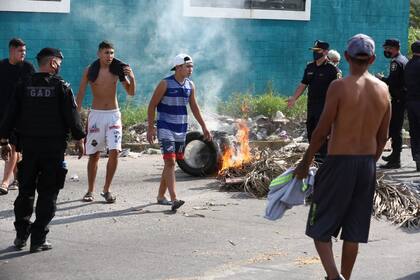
column 104, row 131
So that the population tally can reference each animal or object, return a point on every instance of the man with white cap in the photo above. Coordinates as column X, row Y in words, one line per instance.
column 345, row 183
column 170, row 99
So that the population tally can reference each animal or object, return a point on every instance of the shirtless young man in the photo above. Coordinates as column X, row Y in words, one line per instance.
column 104, row 121
column 345, row 183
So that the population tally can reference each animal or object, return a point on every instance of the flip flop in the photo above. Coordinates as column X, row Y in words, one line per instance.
column 3, row 189
column 163, row 201
column 88, row 197
column 14, row 185
column 109, row 197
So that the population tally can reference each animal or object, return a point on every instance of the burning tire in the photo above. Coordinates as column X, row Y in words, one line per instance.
column 200, row 157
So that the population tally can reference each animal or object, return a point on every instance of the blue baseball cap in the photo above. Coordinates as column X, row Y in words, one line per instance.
column 361, row 46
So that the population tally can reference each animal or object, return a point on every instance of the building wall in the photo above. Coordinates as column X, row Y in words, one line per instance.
column 230, row 55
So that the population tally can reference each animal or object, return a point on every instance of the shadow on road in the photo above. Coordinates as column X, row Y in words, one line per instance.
column 414, row 276
column 11, row 253
column 138, row 210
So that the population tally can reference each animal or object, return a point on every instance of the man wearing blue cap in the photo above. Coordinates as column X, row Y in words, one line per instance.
column 412, row 82
column 395, row 82
column 43, row 112
column 345, row 182
column 317, row 77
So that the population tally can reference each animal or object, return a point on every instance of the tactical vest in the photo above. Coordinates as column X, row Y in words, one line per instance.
column 41, row 115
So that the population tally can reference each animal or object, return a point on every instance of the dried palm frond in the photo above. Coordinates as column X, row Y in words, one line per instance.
column 399, row 203
column 258, row 173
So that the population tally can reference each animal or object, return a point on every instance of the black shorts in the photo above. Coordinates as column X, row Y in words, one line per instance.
column 343, row 198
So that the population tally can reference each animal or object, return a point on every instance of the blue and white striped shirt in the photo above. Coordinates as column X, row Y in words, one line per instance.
column 172, row 115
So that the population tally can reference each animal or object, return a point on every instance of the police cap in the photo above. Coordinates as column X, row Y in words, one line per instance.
column 49, row 52
column 320, row 45
column 392, row 43
column 415, row 47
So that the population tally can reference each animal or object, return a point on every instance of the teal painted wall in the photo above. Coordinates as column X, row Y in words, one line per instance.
column 230, row 55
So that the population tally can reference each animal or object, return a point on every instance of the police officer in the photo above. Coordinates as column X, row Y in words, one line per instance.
column 317, row 77
column 43, row 112
column 12, row 70
column 412, row 83
column 395, row 82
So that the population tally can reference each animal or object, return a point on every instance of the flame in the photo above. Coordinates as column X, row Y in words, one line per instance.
column 237, row 156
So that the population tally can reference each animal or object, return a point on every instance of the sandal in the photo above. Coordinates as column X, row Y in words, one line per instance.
column 163, row 201
column 3, row 189
column 109, row 197
column 88, row 197
column 14, row 185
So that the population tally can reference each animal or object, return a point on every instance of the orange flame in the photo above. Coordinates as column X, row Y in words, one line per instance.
column 237, row 156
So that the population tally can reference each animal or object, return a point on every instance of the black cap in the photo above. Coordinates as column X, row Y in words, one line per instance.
column 320, row 45
column 392, row 43
column 415, row 47
column 49, row 52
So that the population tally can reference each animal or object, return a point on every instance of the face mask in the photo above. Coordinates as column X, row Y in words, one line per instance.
column 317, row 55
column 387, row 54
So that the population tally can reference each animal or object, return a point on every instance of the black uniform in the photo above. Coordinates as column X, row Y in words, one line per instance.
column 412, row 83
column 10, row 76
column 43, row 112
column 318, row 79
column 395, row 82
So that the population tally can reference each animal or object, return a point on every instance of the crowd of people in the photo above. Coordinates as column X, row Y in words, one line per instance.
column 348, row 120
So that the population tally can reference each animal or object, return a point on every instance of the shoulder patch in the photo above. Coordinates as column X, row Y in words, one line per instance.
column 394, row 66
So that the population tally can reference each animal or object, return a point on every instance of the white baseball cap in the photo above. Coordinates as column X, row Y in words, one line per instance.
column 181, row 59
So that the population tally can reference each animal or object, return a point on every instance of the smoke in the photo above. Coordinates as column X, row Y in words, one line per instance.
column 157, row 31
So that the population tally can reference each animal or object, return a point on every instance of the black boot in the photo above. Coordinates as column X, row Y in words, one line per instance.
column 36, row 248
column 388, row 157
column 418, row 166
column 20, row 243
column 391, row 165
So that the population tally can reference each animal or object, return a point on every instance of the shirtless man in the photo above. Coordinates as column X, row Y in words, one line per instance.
column 104, row 121
column 345, row 183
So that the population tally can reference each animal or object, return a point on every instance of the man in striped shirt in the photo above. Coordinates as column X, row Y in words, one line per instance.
column 170, row 99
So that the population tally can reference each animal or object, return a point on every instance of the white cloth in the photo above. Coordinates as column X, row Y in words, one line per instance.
column 104, row 131
column 286, row 192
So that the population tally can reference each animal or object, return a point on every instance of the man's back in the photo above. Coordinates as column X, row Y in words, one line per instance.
column 362, row 102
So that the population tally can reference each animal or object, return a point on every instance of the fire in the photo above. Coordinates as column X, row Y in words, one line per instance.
column 240, row 153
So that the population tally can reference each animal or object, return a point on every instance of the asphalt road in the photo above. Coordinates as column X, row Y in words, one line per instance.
column 215, row 235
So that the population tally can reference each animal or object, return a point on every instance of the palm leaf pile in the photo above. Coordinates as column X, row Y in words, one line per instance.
column 399, row 203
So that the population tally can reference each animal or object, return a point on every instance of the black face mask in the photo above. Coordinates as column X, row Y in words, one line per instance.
column 387, row 54
column 317, row 55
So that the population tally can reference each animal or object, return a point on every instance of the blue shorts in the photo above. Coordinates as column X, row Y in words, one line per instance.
column 172, row 149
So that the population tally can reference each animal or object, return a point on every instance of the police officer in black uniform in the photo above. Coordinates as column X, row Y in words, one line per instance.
column 395, row 82
column 412, row 83
column 43, row 112
column 12, row 70
column 317, row 77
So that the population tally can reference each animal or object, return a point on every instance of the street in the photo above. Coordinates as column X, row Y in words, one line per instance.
column 215, row 235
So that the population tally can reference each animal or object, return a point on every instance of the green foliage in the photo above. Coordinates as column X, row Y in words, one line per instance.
column 132, row 115
column 413, row 35
column 242, row 105
column 415, row 14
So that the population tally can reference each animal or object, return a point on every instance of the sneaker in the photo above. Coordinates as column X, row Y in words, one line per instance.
column 20, row 243
column 36, row 248
column 391, row 165
column 176, row 204
column 14, row 185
